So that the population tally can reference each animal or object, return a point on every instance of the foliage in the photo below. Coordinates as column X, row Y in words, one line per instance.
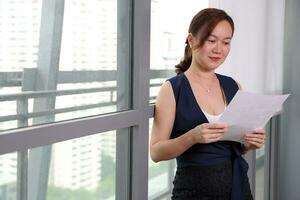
column 105, row 189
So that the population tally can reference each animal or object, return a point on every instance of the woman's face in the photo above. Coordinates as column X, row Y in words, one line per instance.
column 215, row 49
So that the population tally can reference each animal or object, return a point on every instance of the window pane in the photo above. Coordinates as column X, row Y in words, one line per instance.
column 44, row 79
column 160, row 176
column 8, row 176
column 82, row 168
column 260, row 174
column 260, row 168
column 168, row 35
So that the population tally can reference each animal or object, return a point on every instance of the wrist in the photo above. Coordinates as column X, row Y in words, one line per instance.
column 244, row 148
column 190, row 137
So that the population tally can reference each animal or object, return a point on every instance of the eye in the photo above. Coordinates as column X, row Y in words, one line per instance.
column 211, row 41
column 226, row 43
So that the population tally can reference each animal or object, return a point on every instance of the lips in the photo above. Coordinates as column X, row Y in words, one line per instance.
column 215, row 59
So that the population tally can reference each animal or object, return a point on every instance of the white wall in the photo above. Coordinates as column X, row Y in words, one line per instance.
column 255, row 59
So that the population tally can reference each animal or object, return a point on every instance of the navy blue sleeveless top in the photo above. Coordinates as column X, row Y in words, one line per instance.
column 189, row 115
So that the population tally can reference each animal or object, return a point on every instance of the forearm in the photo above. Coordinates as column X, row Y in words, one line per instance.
column 169, row 149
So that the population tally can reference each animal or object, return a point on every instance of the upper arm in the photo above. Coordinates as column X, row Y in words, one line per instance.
column 164, row 114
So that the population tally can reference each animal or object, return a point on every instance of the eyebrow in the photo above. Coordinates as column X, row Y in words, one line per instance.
column 217, row 37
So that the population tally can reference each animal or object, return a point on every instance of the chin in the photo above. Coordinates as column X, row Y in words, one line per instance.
column 213, row 67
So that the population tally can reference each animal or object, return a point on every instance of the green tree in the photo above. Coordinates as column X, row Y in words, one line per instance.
column 106, row 187
column 58, row 193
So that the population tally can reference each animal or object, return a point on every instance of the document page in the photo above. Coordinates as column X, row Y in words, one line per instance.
column 247, row 112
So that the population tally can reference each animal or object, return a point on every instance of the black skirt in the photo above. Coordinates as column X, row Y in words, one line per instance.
column 205, row 183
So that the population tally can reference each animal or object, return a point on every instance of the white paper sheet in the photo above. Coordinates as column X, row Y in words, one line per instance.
column 247, row 112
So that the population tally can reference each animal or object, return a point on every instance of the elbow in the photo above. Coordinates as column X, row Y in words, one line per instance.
column 154, row 156
column 155, row 160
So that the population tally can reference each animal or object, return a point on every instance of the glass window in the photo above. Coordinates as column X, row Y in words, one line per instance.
column 260, row 174
column 260, row 167
column 160, row 176
column 8, row 176
column 169, row 29
column 44, row 79
column 83, row 168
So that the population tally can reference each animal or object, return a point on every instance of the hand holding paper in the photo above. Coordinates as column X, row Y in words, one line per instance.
column 247, row 112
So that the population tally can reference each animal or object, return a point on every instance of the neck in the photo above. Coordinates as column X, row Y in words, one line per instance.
column 205, row 79
column 199, row 73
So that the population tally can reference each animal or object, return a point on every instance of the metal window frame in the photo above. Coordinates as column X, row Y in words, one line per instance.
column 141, row 81
column 23, row 139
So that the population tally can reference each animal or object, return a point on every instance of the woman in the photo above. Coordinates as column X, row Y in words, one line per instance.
column 187, row 108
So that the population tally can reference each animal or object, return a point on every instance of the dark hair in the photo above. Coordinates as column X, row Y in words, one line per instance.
column 201, row 26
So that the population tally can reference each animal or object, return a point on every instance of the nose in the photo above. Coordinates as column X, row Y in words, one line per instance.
column 217, row 48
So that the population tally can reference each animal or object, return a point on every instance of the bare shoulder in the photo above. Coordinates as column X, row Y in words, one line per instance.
column 165, row 93
column 164, row 114
column 165, row 101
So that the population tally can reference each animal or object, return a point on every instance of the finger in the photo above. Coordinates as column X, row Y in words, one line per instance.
column 256, row 140
column 255, row 144
column 213, row 140
column 255, row 135
column 216, row 126
column 205, row 125
column 212, row 135
column 208, row 138
column 259, row 130
column 212, row 131
column 259, row 133
column 215, row 136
